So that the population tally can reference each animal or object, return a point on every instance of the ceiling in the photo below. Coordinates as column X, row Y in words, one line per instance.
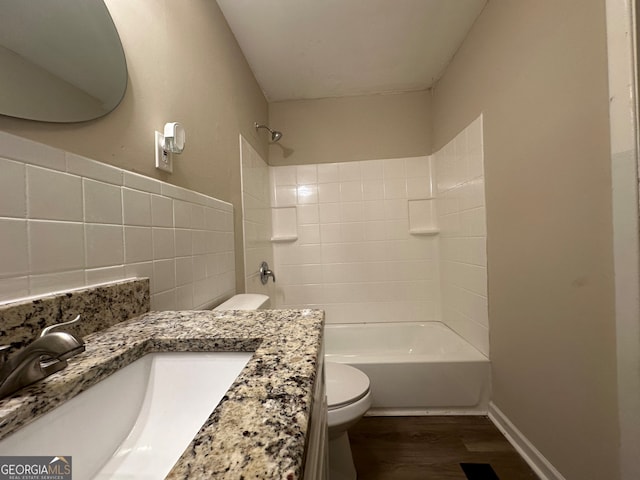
column 301, row 49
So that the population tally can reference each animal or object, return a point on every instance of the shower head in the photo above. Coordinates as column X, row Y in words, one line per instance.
column 275, row 135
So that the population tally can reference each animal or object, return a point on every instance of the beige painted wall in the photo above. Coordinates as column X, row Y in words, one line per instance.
column 347, row 129
column 538, row 73
column 184, row 65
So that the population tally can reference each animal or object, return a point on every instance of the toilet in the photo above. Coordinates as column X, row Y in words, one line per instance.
column 348, row 396
column 348, row 399
column 245, row 301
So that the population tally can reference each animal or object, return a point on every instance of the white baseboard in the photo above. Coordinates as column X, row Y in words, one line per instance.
column 538, row 463
column 423, row 412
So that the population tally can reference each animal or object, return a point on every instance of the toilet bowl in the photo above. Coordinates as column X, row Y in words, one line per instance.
column 348, row 399
column 245, row 301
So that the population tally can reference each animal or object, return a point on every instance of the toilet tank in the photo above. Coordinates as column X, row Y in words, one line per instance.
column 245, row 301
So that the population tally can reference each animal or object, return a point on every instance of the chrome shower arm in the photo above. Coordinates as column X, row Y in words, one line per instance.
column 275, row 135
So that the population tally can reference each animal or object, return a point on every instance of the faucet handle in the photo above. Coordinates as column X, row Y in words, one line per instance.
column 265, row 273
column 51, row 328
column 4, row 353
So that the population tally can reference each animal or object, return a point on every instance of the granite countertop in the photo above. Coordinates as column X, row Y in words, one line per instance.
column 259, row 428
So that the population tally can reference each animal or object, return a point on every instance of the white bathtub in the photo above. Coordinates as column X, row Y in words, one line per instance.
column 414, row 368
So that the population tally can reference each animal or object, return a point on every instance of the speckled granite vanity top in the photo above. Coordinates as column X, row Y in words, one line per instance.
column 257, row 431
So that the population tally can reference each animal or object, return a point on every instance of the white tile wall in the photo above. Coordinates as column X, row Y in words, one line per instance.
column 102, row 202
column 137, row 207
column 461, row 219
column 67, row 221
column 256, row 214
column 137, row 241
column 54, row 246
column 14, row 261
column 43, row 185
column 42, row 284
column 104, row 245
column 13, row 192
column 354, row 256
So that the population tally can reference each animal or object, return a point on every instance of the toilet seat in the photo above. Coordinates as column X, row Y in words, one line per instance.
column 345, row 385
column 341, row 419
column 348, row 397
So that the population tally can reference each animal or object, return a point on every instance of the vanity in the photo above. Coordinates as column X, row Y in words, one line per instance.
column 270, row 422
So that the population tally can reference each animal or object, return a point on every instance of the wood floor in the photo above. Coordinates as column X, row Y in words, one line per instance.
column 424, row 448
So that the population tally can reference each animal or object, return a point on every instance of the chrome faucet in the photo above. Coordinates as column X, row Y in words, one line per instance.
column 265, row 273
column 44, row 356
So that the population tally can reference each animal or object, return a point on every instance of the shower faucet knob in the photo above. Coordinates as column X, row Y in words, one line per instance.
column 265, row 273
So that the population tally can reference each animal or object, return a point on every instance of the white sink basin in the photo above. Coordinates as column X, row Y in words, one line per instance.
column 137, row 422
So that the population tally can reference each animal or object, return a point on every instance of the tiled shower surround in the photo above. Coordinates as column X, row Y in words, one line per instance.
column 256, row 217
column 387, row 240
column 354, row 255
column 67, row 221
column 461, row 215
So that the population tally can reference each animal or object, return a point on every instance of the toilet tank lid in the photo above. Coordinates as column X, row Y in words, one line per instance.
column 244, row 301
column 345, row 384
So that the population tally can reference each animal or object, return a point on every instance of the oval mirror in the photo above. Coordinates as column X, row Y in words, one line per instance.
column 60, row 61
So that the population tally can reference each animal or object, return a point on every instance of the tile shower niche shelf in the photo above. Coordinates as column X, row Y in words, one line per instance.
column 422, row 217
column 284, row 238
column 285, row 224
column 424, row 231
